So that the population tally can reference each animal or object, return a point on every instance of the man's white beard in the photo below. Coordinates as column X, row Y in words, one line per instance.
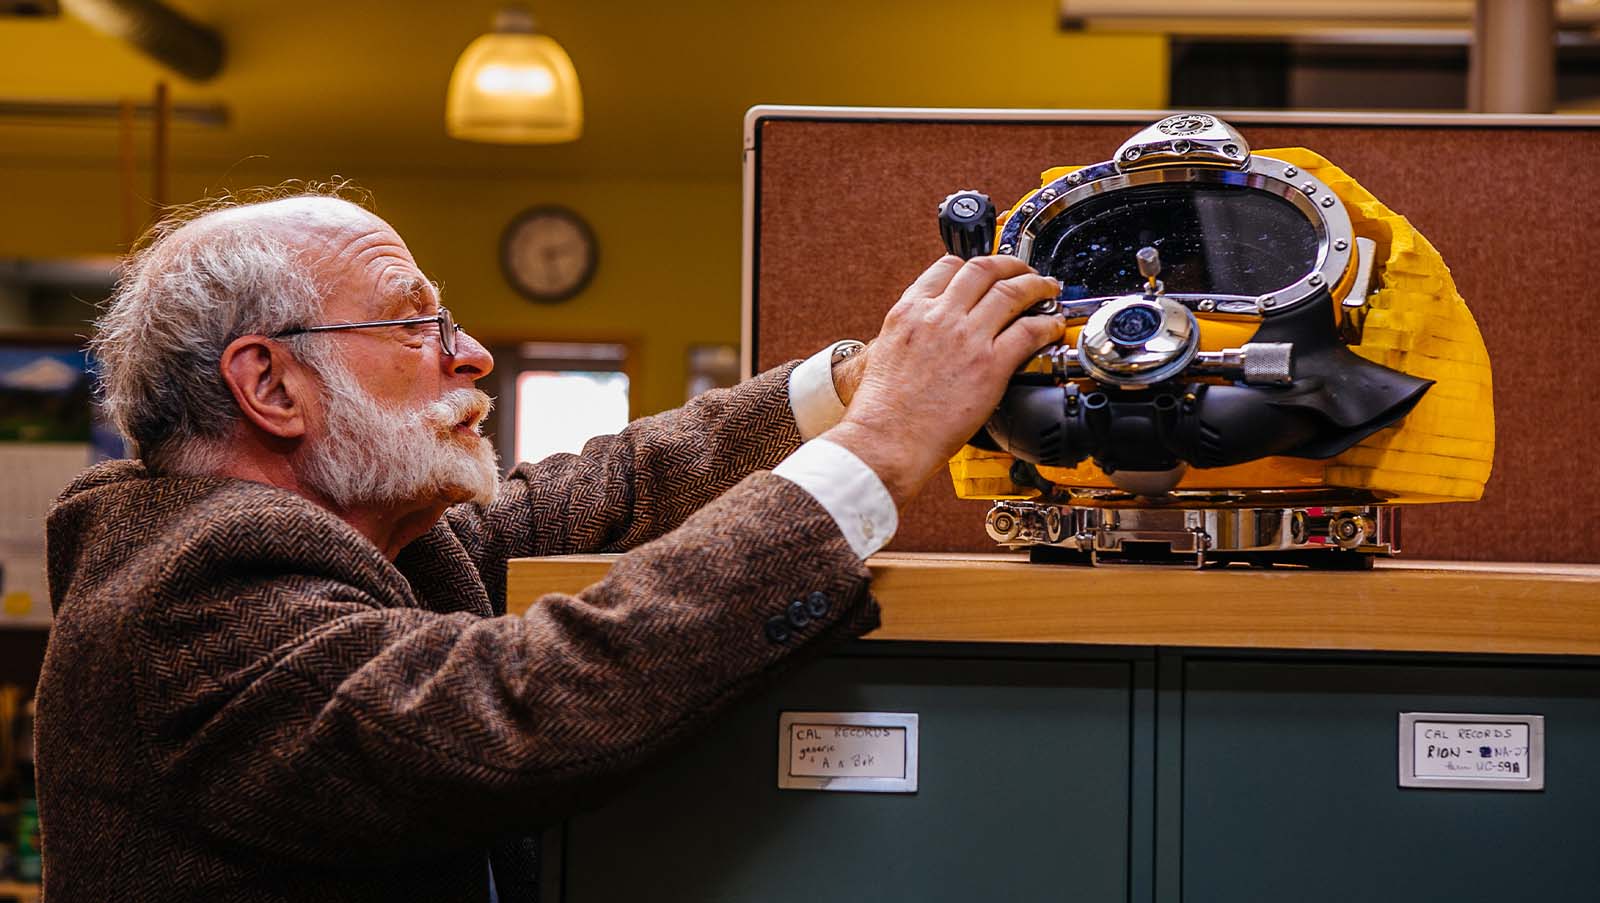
column 370, row 454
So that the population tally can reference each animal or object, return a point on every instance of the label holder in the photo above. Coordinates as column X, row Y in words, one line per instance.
column 1533, row 779
column 901, row 723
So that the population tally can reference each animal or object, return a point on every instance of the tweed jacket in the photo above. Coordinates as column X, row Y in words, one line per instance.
column 244, row 700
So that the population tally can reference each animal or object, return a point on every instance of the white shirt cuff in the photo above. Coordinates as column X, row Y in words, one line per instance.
column 812, row 397
column 848, row 489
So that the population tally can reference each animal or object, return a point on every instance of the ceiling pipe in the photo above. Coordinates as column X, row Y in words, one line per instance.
column 170, row 38
column 1321, row 21
column 47, row 112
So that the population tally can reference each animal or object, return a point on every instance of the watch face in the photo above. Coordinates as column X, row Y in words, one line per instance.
column 548, row 253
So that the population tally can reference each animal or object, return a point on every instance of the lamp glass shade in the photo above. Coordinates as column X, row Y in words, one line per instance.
column 512, row 88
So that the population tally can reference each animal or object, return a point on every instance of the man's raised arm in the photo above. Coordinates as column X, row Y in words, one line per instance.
column 919, row 390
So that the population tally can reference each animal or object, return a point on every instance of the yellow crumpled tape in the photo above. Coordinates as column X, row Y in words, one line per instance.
column 1417, row 323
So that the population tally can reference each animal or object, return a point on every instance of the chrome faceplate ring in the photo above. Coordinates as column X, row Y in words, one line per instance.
column 1335, row 235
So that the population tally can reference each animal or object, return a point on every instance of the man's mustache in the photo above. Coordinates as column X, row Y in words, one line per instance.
column 459, row 407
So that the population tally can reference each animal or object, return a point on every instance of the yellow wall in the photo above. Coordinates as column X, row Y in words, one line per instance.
column 658, row 177
column 666, row 279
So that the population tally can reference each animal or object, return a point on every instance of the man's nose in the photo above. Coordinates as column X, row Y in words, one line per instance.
column 471, row 358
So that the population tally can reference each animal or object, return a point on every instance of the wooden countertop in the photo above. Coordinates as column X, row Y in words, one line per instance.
column 19, row 891
column 1414, row 606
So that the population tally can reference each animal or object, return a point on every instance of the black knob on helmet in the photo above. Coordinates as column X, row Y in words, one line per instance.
column 966, row 223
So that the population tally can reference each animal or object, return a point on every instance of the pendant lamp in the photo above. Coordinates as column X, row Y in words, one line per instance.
column 513, row 86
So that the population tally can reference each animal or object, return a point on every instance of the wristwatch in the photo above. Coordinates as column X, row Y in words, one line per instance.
column 845, row 349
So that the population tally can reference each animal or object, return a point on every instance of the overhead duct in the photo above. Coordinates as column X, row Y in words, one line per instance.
column 29, row 9
column 172, row 39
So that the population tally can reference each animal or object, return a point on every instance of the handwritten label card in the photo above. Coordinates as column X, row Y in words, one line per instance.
column 1466, row 751
column 871, row 751
column 847, row 751
column 1442, row 749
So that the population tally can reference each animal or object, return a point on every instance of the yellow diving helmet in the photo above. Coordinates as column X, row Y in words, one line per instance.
column 1261, row 361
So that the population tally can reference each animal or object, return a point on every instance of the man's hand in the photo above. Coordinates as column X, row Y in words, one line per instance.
column 939, row 366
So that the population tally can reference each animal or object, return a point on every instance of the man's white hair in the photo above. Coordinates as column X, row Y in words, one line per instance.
column 182, row 296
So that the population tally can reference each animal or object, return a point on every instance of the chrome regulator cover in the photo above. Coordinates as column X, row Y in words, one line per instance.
column 1138, row 341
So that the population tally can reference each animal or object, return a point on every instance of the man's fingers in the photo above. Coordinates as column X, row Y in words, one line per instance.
column 978, row 275
column 1011, row 298
column 1021, row 339
column 935, row 278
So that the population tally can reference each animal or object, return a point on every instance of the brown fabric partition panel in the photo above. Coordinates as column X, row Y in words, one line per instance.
column 845, row 218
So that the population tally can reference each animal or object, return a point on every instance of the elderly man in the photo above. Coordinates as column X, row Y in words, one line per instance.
column 276, row 671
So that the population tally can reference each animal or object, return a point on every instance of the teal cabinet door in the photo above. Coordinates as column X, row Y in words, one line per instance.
column 1290, row 785
column 1023, row 795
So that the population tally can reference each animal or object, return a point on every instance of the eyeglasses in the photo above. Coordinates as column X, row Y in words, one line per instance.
column 447, row 328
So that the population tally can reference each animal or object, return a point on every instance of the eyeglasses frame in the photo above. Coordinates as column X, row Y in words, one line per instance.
column 448, row 328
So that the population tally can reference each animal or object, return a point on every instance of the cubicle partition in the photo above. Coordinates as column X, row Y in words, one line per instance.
column 840, row 216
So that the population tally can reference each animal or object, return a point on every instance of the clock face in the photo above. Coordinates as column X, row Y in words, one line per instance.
column 548, row 253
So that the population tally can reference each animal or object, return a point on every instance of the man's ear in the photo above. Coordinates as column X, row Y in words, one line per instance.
column 271, row 388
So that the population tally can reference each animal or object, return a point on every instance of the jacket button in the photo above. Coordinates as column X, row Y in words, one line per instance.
column 778, row 630
column 817, row 605
column 798, row 614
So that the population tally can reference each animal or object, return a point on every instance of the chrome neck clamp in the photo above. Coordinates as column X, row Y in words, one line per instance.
column 1320, row 537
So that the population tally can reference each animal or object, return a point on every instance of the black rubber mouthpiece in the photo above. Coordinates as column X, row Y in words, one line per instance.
column 1337, row 399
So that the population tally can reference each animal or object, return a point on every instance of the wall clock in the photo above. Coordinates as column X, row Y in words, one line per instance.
column 548, row 253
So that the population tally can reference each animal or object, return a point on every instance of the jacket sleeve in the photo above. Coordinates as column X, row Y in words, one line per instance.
column 629, row 488
column 324, row 725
